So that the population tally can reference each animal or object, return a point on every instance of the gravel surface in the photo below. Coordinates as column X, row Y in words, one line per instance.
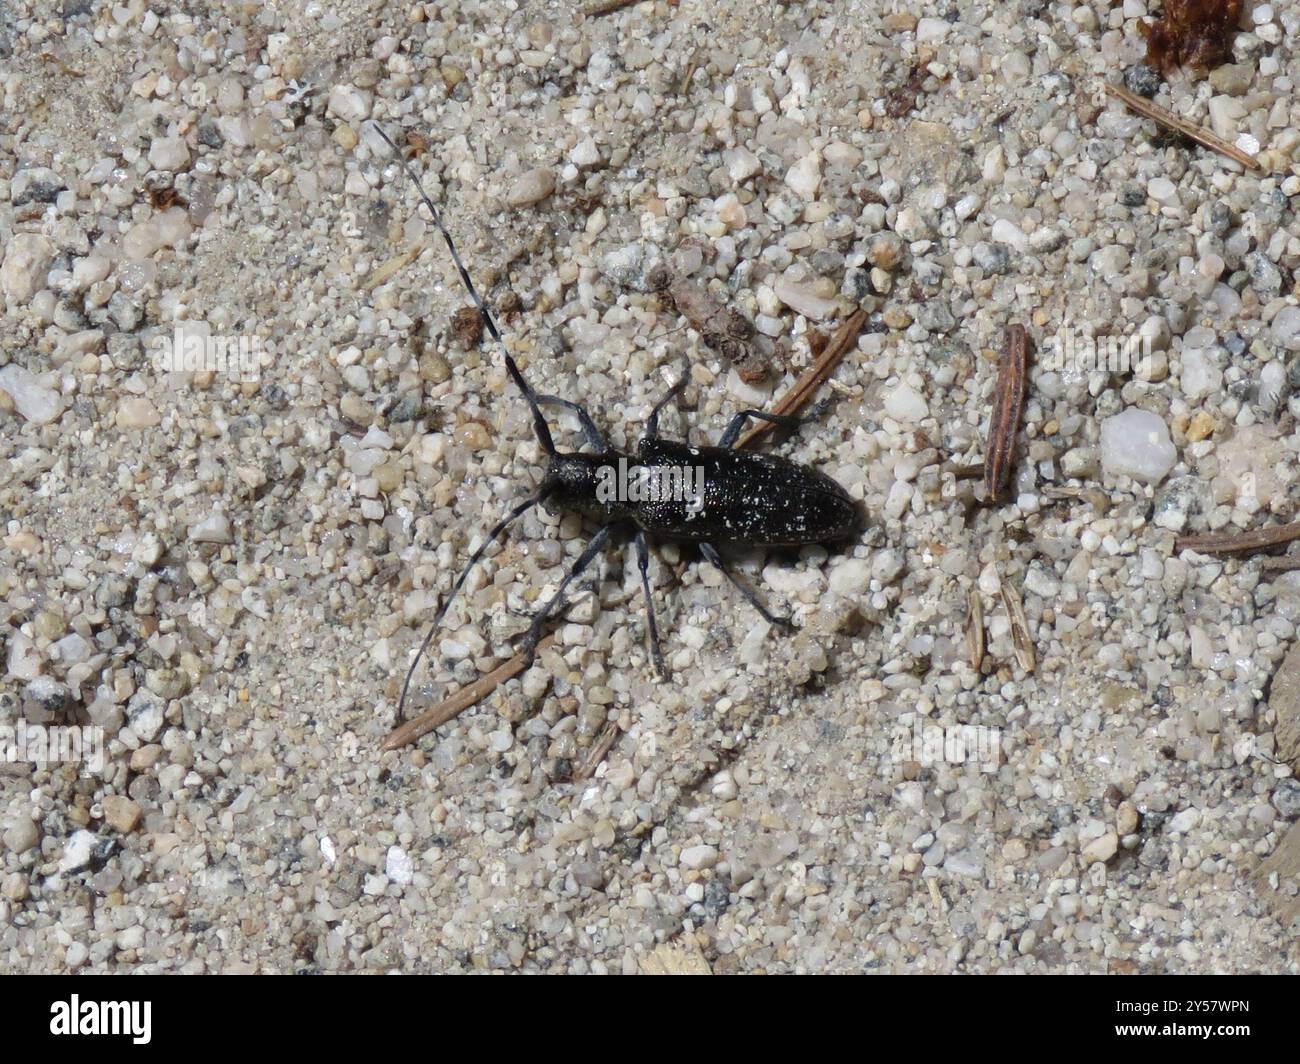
column 225, row 565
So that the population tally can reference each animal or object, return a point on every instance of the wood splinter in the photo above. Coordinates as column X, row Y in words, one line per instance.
column 1004, row 422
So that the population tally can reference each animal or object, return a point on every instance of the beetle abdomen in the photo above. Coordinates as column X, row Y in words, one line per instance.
column 745, row 497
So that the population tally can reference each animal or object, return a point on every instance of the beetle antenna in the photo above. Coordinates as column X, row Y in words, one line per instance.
column 492, row 536
column 539, row 422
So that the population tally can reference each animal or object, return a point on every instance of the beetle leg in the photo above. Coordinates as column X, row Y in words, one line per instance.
column 712, row 556
column 534, row 633
column 589, row 429
column 785, row 421
column 652, row 422
column 643, row 563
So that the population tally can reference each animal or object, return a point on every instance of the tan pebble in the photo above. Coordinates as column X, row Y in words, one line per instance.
column 1202, row 425
column 345, row 136
column 1102, row 849
column 143, row 759
column 121, row 813
column 388, row 475
column 136, row 412
column 474, row 436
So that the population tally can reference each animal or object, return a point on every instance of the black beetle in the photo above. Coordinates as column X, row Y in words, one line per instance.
column 743, row 497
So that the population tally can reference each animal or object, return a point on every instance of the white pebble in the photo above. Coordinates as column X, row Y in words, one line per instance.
column 213, row 529
column 27, row 260
column 398, row 867
column 701, row 856
column 905, row 403
column 803, row 300
column 34, row 401
column 1136, row 443
column 805, row 176
column 169, row 153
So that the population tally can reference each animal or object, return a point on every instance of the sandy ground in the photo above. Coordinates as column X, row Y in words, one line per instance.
column 223, row 567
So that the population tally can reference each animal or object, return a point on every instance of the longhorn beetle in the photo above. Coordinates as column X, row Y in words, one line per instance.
column 747, row 498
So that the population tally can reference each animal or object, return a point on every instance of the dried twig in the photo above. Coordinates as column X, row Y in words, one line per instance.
column 604, row 743
column 975, row 629
column 1147, row 109
column 1285, row 564
column 1020, row 637
column 386, row 270
column 1004, row 422
column 814, row 376
column 452, row 707
column 606, row 7
column 1243, row 543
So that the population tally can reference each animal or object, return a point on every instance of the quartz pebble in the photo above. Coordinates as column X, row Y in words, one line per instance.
column 530, row 188
column 1136, row 444
column 37, row 403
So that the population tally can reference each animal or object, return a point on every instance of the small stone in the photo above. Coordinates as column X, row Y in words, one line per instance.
column 1136, row 444
column 26, row 262
column 144, row 759
column 168, row 683
column 398, row 867
column 850, row 578
column 47, row 693
column 121, row 813
column 805, row 176
column 169, row 153
column 77, row 851
column 1141, row 79
column 1265, row 278
column 1232, row 79
column 904, row 403
column 887, row 565
column 1200, row 427
column 698, row 857
column 21, row 834
column 1286, row 328
column 1162, row 190
column 741, row 164
column 1201, row 374
column 213, row 529
column 991, row 258
column 531, row 187
column 885, row 250
column 932, row 30
column 1286, row 798
column 1126, row 818
column 36, row 403
column 349, row 103
column 1101, row 849
column 1080, row 462
column 803, row 300
column 136, row 412
column 1007, row 232
column 36, row 184
column 144, row 713
column 584, row 154
column 966, row 863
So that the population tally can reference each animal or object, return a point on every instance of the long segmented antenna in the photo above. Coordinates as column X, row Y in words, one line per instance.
column 539, row 422
column 492, row 536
